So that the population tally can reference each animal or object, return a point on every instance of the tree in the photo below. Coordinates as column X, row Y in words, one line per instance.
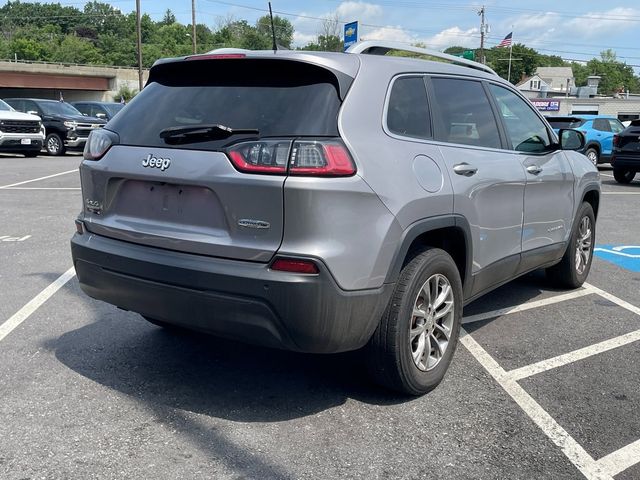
column 169, row 18
column 616, row 76
column 328, row 39
column 524, row 61
column 283, row 30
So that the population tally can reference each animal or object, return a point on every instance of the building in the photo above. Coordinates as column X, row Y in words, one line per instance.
column 548, row 92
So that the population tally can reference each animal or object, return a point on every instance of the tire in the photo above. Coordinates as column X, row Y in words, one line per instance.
column 573, row 269
column 623, row 175
column 393, row 347
column 54, row 144
column 32, row 153
column 593, row 155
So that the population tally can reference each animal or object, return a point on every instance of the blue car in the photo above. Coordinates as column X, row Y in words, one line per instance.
column 598, row 131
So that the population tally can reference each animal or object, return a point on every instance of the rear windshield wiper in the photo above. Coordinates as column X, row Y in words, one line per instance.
column 203, row 132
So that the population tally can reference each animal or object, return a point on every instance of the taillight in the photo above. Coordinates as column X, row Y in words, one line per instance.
column 268, row 156
column 303, row 157
column 295, row 265
column 616, row 139
column 99, row 143
column 324, row 158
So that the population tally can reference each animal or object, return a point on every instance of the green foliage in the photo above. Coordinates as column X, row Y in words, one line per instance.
column 126, row 93
column 99, row 33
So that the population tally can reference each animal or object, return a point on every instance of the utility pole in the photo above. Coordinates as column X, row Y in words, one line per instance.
column 139, row 32
column 482, row 30
column 193, row 25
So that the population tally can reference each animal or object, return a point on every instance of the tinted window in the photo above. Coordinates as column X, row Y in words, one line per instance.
column 526, row 131
column 82, row 108
column 564, row 122
column 408, row 111
column 17, row 104
column 113, row 108
column 279, row 98
column 465, row 115
column 52, row 107
column 4, row 106
column 616, row 126
column 601, row 124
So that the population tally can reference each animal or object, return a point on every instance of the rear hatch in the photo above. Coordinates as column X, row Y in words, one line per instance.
column 564, row 122
column 169, row 182
column 628, row 141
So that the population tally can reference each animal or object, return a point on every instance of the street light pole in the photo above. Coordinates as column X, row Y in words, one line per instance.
column 193, row 25
column 482, row 30
column 139, row 34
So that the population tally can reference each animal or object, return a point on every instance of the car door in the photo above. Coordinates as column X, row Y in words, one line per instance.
column 488, row 183
column 548, row 196
column 604, row 135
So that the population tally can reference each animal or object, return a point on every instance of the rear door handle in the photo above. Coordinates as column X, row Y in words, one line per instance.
column 465, row 169
column 534, row 169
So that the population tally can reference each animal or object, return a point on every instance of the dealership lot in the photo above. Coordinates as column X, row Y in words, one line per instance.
column 544, row 384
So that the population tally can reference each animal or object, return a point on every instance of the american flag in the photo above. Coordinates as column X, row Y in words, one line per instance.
column 506, row 41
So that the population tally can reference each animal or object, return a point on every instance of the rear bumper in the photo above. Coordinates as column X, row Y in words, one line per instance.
column 631, row 162
column 240, row 300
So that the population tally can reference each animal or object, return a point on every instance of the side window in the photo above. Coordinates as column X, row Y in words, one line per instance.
column 408, row 110
column 17, row 105
column 82, row 108
column 616, row 126
column 30, row 106
column 602, row 125
column 465, row 114
column 527, row 133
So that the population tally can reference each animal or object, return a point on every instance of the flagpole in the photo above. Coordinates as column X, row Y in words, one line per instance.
column 510, row 52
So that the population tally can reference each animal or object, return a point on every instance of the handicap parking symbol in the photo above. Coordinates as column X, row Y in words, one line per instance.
column 625, row 256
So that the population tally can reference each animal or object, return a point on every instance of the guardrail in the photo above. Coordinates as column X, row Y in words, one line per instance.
column 65, row 64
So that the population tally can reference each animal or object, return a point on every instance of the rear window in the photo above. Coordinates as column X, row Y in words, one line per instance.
column 564, row 122
column 279, row 98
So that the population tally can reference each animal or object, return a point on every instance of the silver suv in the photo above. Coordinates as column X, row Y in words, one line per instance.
column 325, row 202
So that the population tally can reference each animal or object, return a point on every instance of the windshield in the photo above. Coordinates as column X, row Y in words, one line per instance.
column 52, row 107
column 113, row 108
column 5, row 107
column 564, row 122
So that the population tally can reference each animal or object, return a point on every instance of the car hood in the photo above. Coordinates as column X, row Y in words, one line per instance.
column 79, row 119
column 7, row 115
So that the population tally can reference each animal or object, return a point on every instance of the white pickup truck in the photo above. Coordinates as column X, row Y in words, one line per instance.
column 20, row 132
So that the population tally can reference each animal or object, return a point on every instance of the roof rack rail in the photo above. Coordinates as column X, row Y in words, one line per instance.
column 381, row 47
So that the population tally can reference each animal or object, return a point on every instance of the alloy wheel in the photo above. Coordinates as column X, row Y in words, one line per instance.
column 583, row 245
column 431, row 322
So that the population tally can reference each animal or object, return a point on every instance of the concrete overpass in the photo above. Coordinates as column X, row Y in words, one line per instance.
column 76, row 82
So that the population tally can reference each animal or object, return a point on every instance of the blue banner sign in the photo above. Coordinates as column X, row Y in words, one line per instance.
column 350, row 34
column 546, row 105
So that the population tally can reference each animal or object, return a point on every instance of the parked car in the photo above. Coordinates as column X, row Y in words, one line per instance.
column 598, row 130
column 325, row 202
column 626, row 153
column 20, row 132
column 104, row 110
column 65, row 127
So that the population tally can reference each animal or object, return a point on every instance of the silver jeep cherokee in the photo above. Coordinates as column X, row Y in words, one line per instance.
column 325, row 202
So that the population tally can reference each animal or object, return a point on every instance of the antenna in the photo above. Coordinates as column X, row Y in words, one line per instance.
column 273, row 30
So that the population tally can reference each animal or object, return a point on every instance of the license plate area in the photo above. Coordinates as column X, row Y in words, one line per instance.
column 188, row 205
column 25, row 141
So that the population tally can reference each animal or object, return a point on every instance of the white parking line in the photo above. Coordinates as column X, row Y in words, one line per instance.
column 42, row 188
column 36, row 179
column 21, row 315
column 571, row 357
column 620, row 193
column 620, row 460
column 552, row 429
column 529, row 305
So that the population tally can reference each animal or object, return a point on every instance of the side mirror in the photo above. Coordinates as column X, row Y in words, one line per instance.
column 32, row 112
column 571, row 139
column 101, row 115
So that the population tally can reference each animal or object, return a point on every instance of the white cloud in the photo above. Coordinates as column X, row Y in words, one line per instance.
column 454, row 36
column 302, row 39
column 396, row 34
column 362, row 11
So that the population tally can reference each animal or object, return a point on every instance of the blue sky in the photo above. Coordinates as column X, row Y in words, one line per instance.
column 572, row 29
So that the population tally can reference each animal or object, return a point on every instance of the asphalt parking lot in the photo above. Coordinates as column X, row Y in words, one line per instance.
column 544, row 384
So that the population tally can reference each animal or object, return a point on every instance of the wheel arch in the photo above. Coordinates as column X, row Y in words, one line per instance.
column 595, row 145
column 592, row 196
column 451, row 233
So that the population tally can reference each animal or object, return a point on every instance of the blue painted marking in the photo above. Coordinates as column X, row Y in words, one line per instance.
column 625, row 256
